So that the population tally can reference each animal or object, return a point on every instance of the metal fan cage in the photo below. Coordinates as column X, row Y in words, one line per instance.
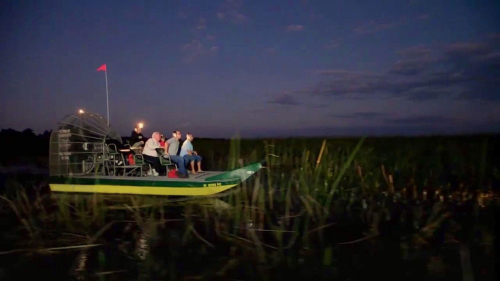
column 79, row 146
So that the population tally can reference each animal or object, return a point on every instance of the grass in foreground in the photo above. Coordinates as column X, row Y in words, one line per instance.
column 318, row 210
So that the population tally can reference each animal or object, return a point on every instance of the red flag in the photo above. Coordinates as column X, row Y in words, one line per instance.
column 102, row 68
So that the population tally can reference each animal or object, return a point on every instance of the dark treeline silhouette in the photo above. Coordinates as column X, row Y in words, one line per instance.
column 21, row 148
column 24, row 148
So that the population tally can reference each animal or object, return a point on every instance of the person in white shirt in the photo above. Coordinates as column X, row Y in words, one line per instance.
column 150, row 155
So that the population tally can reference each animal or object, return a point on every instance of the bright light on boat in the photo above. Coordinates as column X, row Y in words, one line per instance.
column 141, row 125
column 81, row 111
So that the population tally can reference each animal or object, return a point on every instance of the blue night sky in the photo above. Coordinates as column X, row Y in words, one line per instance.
column 260, row 68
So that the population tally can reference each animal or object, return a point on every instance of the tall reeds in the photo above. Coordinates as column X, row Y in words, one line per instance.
column 311, row 201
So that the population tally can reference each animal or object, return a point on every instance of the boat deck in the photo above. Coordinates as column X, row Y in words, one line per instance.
column 200, row 177
column 206, row 183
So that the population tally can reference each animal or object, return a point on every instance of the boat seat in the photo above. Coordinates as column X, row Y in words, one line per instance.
column 112, row 158
column 165, row 159
column 117, row 161
column 140, row 161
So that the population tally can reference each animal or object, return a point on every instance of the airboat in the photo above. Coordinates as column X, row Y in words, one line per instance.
column 88, row 156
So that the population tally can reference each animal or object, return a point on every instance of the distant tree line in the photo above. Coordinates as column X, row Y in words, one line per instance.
column 24, row 148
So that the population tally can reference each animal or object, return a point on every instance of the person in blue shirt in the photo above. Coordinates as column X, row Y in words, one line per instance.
column 189, row 155
column 171, row 148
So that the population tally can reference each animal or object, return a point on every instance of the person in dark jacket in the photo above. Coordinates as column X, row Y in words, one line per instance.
column 137, row 139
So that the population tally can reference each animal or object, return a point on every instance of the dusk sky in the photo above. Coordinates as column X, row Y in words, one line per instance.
column 257, row 68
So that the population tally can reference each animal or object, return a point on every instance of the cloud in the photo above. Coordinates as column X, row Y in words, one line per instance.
column 196, row 50
column 428, row 93
column 270, row 50
column 334, row 43
column 373, row 27
column 463, row 70
column 376, row 26
column 202, row 24
column 467, row 49
column 323, row 105
column 422, row 17
column 210, row 37
column 230, row 11
column 284, row 99
column 423, row 120
column 411, row 66
column 478, row 63
column 414, row 60
column 362, row 115
column 343, row 73
column 415, row 51
column 494, row 35
column 295, row 27
column 385, row 85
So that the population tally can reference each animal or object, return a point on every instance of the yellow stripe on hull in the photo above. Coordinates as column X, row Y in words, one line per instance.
column 143, row 190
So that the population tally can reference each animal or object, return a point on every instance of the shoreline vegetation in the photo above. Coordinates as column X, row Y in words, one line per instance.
column 413, row 208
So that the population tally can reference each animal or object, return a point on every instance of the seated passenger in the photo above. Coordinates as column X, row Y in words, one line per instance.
column 171, row 148
column 162, row 141
column 151, row 156
column 137, row 139
column 190, row 156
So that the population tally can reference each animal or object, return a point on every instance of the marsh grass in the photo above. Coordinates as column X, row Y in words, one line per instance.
column 318, row 209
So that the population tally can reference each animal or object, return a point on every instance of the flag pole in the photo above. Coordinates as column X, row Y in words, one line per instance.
column 107, row 96
column 104, row 68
